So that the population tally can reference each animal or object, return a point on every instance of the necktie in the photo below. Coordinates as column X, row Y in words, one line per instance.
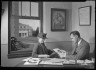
column 75, row 47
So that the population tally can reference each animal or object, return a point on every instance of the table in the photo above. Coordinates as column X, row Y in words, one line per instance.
column 68, row 66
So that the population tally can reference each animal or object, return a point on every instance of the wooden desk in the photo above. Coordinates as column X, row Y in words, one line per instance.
column 68, row 66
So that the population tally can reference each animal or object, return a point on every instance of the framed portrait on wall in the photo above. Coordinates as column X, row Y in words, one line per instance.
column 58, row 19
column 85, row 16
column 2, row 12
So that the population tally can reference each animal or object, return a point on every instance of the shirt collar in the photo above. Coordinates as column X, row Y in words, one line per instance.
column 79, row 42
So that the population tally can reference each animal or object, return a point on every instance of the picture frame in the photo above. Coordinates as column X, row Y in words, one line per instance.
column 85, row 16
column 2, row 12
column 58, row 19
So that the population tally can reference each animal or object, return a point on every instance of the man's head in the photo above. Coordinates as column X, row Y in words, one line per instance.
column 75, row 35
column 41, row 37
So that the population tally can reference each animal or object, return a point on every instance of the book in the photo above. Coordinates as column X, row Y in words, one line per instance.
column 62, row 53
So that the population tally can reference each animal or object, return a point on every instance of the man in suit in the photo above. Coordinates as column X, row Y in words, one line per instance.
column 81, row 48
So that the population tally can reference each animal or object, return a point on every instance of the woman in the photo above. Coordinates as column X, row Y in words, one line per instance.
column 41, row 48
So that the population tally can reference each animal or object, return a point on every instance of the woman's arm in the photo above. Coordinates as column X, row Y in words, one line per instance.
column 34, row 51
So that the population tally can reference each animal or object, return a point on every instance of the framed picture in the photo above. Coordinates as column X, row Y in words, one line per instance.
column 85, row 16
column 58, row 19
column 2, row 12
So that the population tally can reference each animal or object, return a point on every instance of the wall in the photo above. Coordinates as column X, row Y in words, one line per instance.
column 84, row 30
column 59, row 39
column 57, row 36
column 4, row 24
column 87, row 32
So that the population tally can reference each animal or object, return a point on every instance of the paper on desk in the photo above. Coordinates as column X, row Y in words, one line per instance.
column 27, row 63
column 72, row 62
column 56, row 60
column 53, row 61
column 62, row 53
column 80, row 61
column 69, row 62
column 43, row 55
column 66, row 62
column 50, row 63
column 32, row 61
column 27, row 59
column 85, row 61
column 89, row 61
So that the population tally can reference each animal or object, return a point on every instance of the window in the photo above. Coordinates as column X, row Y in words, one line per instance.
column 25, row 22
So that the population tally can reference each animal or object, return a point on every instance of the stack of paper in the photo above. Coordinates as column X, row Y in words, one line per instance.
column 32, row 61
column 53, row 61
column 69, row 62
column 56, row 60
column 66, row 62
column 72, row 62
column 84, row 62
column 89, row 61
column 43, row 56
column 80, row 61
column 62, row 53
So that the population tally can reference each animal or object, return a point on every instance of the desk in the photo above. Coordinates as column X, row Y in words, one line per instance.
column 68, row 66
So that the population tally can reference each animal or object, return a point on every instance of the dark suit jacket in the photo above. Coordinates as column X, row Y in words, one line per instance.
column 80, row 52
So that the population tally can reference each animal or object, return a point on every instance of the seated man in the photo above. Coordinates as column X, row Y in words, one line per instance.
column 41, row 48
column 81, row 47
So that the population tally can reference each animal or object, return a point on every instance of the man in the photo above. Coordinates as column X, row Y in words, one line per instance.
column 41, row 48
column 81, row 47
